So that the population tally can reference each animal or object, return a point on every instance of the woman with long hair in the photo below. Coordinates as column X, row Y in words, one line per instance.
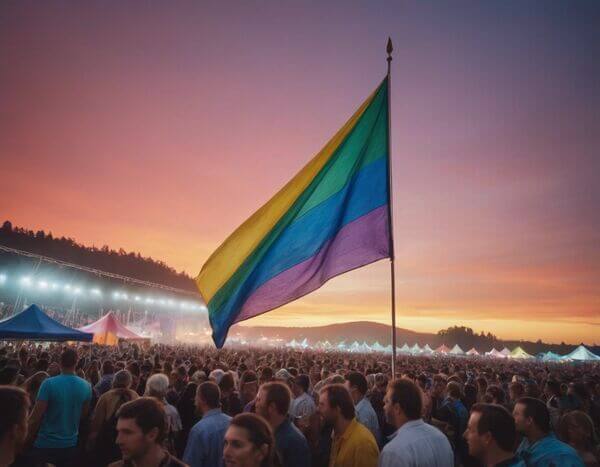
column 577, row 429
column 249, row 442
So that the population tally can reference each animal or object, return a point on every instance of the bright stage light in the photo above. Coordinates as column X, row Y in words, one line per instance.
column 125, row 296
column 2, row 278
column 43, row 284
column 137, row 298
column 96, row 291
column 26, row 281
column 54, row 286
column 162, row 301
column 67, row 287
column 116, row 295
column 77, row 290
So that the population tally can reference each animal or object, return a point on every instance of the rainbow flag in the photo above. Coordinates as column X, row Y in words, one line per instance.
column 332, row 217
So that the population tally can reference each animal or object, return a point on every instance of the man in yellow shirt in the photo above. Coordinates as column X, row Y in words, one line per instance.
column 352, row 445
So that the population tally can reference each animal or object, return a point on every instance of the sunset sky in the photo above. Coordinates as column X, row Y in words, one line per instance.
column 160, row 126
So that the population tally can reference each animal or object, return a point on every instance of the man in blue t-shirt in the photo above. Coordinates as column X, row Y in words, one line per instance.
column 540, row 448
column 61, row 403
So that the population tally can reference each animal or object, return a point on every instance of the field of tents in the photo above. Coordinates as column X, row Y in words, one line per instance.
column 581, row 353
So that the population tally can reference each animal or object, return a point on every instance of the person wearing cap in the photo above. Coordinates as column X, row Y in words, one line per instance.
column 303, row 405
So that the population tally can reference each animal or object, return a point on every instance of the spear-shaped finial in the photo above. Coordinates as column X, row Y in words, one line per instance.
column 389, row 49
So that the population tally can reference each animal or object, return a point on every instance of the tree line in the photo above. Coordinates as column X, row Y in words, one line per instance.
column 104, row 258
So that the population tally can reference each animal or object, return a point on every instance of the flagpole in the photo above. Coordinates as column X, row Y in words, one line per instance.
column 389, row 50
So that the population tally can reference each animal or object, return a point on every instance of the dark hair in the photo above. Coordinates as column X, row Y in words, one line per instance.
column 517, row 388
column 259, row 433
column 537, row 411
column 210, row 394
column 108, row 367
column 227, row 383
column 497, row 393
column 497, row 421
column 303, row 381
column 148, row 413
column 68, row 358
column 408, row 396
column 338, row 396
column 266, row 374
column 248, row 376
column 358, row 381
column 453, row 389
column 554, row 387
column 278, row 394
column 14, row 403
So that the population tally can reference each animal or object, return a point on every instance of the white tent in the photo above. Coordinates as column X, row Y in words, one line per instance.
column 456, row 350
column 551, row 357
column 293, row 344
column 495, row 353
column 415, row 349
column 520, row 354
column 341, row 345
column 405, row 348
column 505, row 352
column 377, row 347
column 354, row 347
column 389, row 349
column 582, row 354
column 473, row 352
column 364, row 347
column 427, row 350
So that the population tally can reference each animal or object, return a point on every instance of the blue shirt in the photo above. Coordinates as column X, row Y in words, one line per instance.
column 291, row 445
column 365, row 414
column 205, row 441
column 65, row 395
column 548, row 452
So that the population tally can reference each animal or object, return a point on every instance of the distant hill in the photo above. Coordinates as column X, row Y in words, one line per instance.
column 371, row 332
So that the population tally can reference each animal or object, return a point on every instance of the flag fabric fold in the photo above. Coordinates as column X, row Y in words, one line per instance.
column 332, row 217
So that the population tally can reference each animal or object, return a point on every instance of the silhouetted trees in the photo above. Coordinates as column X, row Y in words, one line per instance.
column 106, row 259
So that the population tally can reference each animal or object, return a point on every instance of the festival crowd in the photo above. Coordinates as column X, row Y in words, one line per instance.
column 170, row 406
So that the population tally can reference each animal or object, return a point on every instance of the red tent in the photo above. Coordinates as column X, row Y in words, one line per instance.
column 442, row 349
column 107, row 330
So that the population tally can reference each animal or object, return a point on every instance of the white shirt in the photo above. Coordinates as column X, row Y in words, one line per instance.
column 417, row 444
column 302, row 406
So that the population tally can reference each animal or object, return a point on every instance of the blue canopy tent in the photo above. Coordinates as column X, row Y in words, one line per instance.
column 34, row 324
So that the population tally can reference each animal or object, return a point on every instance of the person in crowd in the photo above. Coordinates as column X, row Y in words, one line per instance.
column 353, row 444
column 273, row 404
column 230, row 400
column 356, row 383
column 303, row 405
column 103, row 431
column 553, row 402
column 157, row 386
column 249, row 442
column 14, row 403
column 62, row 402
column 141, row 431
column 577, row 430
column 491, row 436
column 414, row 443
column 248, row 389
column 540, row 447
column 186, row 407
column 105, row 383
column 33, row 383
column 516, row 390
column 205, row 442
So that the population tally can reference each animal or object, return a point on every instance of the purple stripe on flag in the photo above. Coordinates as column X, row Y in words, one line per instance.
column 358, row 243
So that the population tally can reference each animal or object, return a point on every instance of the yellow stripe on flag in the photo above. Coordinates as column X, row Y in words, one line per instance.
column 232, row 253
